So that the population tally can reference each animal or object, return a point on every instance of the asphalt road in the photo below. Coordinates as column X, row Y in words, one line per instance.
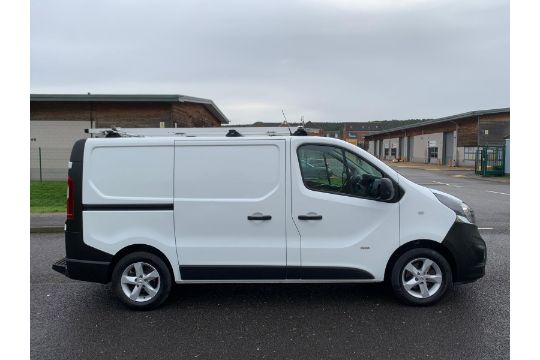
column 77, row 320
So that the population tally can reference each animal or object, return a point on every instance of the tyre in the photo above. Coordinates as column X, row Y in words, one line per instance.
column 141, row 280
column 421, row 277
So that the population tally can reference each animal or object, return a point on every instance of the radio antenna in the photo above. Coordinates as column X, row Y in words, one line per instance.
column 286, row 122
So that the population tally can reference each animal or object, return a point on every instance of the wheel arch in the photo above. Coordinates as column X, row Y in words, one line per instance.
column 138, row 247
column 415, row 244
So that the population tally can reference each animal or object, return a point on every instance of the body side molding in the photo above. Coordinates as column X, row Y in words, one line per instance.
column 255, row 272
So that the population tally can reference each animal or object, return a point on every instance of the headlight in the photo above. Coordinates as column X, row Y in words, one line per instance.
column 459, row 207
column 469, row 213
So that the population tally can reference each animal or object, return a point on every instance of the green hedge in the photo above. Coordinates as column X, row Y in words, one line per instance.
column 48, row 196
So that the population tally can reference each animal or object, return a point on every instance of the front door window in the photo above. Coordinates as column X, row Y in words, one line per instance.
column 335, row 170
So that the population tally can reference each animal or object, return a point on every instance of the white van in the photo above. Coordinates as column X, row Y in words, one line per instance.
column 144, row 212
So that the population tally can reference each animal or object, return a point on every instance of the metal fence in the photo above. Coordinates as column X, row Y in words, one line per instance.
column 49, row 163
column 490, row 161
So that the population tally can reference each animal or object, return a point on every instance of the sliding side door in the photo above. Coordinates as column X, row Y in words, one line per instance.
column 229, row 209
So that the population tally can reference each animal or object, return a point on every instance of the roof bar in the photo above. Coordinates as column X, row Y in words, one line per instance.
column 198, row 132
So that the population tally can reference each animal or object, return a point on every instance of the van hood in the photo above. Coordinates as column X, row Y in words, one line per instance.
column 455, row 204
column 445, row 194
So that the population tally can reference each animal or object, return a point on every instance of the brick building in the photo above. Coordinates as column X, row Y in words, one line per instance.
column 355, row 132
column 451, row 140
column 57, row 121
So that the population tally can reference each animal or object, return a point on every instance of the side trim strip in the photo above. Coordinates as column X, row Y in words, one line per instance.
column 126, row 207
column 90, row 262
column 254, row 272
column 333, row 273
column 232, row 272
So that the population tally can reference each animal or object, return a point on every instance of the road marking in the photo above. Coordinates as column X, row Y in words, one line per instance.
column 496, row 192
column 451, row 185
column 485, row 228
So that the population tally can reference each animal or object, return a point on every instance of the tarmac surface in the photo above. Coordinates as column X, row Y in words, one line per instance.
column 51, row 222
column 77, row 320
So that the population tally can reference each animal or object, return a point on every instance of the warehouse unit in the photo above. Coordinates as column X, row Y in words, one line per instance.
column 452, row 140
column 355, row 132
column 58, row 120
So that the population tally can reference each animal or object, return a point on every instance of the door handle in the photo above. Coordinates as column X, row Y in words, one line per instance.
column 259, row 217
column 310, row 217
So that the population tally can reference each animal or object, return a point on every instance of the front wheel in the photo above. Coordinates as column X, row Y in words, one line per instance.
column 421, row 277
column 141, row 280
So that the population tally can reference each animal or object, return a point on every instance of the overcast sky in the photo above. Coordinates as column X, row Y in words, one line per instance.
column 339, row 60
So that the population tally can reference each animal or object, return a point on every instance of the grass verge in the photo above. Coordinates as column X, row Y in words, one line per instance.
column 47, row 196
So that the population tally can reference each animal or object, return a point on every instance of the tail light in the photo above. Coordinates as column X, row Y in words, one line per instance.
column 70, row 203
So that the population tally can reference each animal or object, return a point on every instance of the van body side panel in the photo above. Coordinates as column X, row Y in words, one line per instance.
column 423, row 217
column 113, row 230
column 127, row 195
column 218, row 186
column 128, row 171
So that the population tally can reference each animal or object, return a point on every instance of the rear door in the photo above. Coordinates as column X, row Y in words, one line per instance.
column 229, row 209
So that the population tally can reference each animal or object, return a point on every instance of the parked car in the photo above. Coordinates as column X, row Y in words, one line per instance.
column 148, row 212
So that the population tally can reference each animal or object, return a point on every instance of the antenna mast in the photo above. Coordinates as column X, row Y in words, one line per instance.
column 285, row 122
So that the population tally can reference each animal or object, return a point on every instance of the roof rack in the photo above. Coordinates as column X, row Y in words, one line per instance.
column 197, row 132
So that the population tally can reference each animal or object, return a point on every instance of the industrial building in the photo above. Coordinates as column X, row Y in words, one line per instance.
column 451, row 140
column 57, row 121
column 355, row 132
column 352, row 132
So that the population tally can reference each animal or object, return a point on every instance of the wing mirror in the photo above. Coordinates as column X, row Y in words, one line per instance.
column 386, row 190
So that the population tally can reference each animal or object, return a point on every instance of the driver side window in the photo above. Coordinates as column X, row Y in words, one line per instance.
column 335, row 170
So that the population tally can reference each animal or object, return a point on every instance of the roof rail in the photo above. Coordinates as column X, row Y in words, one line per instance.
column 196, row 132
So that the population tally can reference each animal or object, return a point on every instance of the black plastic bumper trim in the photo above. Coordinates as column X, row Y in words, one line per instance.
column 468, row 250
column 333, row 273
column 85, row 270
column 232, row 272
column 60, row 266
column 254, row 272
column 76, row 248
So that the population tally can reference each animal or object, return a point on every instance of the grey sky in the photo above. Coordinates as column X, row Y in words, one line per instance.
column 340, row 60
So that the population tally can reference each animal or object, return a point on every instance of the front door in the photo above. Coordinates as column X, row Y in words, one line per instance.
column 229, row 200
column 345, row 233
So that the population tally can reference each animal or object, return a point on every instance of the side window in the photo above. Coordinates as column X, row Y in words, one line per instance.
column 323, row 168
column 332, row 169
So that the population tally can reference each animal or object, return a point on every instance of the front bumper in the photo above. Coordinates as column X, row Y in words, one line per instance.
column 468, row 250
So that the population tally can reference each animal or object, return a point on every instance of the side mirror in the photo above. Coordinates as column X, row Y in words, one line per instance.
column 386, row 189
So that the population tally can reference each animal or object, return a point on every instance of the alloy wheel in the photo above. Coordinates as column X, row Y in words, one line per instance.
column 140, row 281
column 421, row 278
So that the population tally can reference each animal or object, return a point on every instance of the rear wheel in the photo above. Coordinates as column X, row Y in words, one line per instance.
column 141, row 280
column 421, row 277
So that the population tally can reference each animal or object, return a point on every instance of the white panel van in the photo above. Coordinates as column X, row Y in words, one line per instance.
column 147, row 212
